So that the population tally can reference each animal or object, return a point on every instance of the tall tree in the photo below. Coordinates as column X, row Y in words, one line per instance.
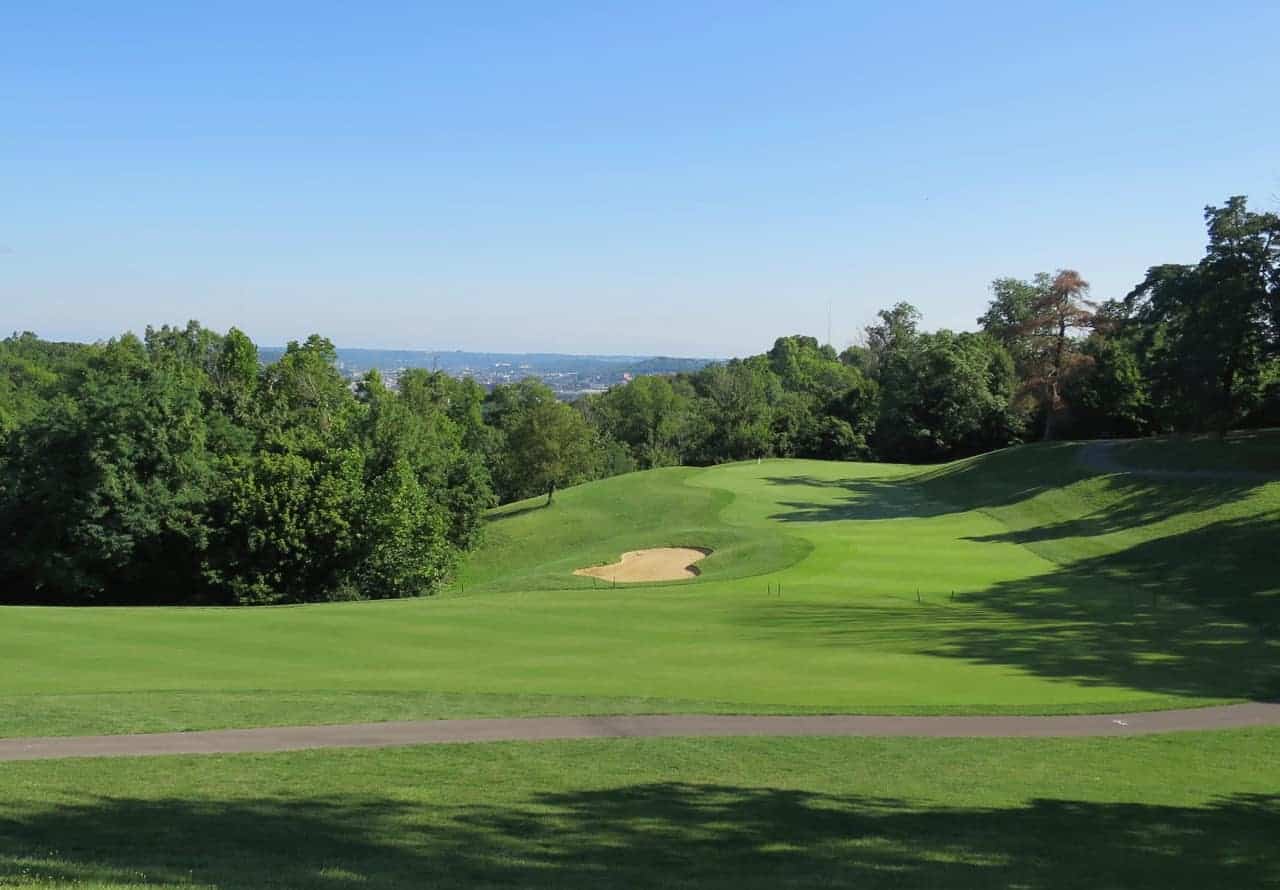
column 895, row 331
column 551, row 446
column 1211, row 328
column 1009, row 313
column 649, row 414
column 736, row 405
column 943, row 395
column 1056, row 315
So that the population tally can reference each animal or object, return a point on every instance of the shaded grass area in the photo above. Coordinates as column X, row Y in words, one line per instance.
column 1249, row 450
column 1164, row 585
column 1190, row 810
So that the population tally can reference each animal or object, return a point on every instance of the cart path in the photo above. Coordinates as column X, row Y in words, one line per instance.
column 428, row 732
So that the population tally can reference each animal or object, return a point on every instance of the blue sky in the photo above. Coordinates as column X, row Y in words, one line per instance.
column 682, row 178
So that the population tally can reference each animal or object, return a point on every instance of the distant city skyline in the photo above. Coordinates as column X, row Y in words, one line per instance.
column 667, row 179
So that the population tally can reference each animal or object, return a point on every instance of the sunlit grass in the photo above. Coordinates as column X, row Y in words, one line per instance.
column 1016, row 582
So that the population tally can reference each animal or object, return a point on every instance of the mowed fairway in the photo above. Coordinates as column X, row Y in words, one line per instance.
column 1018, row 582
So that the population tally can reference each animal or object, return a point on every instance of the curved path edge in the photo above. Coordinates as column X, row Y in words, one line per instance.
column 428, row 732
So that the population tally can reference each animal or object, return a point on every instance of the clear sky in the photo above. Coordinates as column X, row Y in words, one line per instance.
column 661, row 177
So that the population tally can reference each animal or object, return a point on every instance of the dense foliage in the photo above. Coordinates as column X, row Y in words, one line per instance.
column 176, row 469
column 180, row 468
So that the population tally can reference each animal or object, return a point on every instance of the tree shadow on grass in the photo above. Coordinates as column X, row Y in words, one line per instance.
column 1130, row 501
column 502, row 514
column 861, row 499
column 1228, row 567
column 1195, row 614
column 668, row 834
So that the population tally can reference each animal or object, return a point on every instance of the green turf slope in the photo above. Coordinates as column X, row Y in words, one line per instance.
column 1017, row 582
column 1190, row 810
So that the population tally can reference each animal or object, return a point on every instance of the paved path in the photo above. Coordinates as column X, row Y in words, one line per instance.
column 1100, row 457
column 427, row 732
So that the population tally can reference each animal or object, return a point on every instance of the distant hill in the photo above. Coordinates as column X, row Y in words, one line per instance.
column 569, row 376
column 533, row 363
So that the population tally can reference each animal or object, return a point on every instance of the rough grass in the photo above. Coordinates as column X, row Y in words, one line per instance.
column 1180, row 811
column 1017, row 582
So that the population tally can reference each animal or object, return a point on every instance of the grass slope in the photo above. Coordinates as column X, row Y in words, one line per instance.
column 1018, row 582
column 530, row 546
column 1187, row 810
column 1248, row 450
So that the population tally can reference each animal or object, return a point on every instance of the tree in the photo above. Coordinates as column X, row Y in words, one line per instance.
column 648, row 414
column 1009, row 314
column 1055, row 315
column 895, row 331
column 551, row 446
column 944, row 395
column 104, row 490
column 735, row 404
column 1210, row 329
column 403, row 539
column 1107, row 393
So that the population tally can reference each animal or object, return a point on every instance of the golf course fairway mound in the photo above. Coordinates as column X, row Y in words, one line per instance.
column 655, row 564
column 1027, row 581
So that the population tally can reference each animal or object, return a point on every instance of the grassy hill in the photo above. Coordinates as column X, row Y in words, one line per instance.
column 1018, row 582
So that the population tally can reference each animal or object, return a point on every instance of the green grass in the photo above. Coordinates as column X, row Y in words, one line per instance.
column 530, row 546
column 1249, row 450
column 1179, row 811
column 1012, row 583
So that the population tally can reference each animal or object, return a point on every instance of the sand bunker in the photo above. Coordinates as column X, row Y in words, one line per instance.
column 658, row 564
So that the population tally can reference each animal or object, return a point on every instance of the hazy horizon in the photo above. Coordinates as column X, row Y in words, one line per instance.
column 669, row 180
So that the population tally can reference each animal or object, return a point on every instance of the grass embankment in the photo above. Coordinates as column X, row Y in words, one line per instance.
column 1255, row 451
column 1017, row 582
column 1188, row 810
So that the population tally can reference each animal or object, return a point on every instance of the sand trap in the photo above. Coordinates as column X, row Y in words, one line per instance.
column 658, row 564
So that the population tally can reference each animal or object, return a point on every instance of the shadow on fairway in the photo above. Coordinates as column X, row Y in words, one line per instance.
column 988, row 480
column 863, row 499
column 1130, row 501
column 1195, row 614
column 1145, row 617
column 652, row 835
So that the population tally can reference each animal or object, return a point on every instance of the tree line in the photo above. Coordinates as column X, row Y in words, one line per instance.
column 1189, row 348
column 179, row 468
